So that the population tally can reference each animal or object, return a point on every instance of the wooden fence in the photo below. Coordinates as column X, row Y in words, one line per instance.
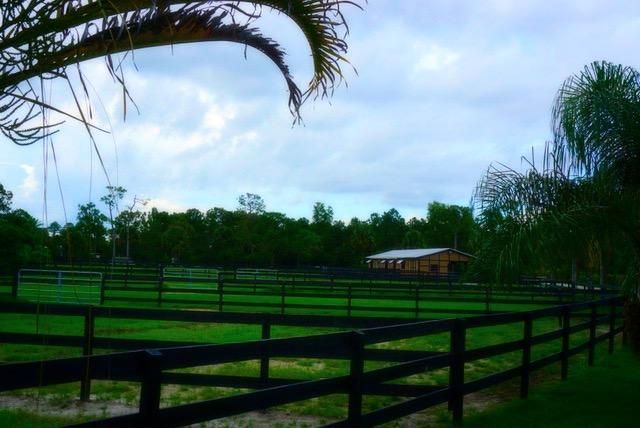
column 420, row 296
column 153, row 367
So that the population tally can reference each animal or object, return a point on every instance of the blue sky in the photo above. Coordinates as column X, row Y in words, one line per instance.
column 443, row 89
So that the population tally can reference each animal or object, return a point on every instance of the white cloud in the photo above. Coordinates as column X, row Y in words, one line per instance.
column 444, row 88
column 436, row 58
column 30, row 183
column 162, row 204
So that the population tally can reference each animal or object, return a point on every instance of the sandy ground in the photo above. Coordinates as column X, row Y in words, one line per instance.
column 52, row 406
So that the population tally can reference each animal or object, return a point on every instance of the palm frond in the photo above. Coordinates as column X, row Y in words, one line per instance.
column 42, row 38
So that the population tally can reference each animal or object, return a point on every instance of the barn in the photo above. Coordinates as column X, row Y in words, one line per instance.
column 432, row 260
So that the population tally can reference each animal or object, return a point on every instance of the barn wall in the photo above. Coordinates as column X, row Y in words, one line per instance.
column 436, row 263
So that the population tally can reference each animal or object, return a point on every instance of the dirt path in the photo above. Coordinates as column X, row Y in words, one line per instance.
column 52, row 405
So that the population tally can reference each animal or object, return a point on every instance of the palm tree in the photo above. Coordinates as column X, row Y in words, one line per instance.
column 584, row 198
column 586, row 191
column 43, row 38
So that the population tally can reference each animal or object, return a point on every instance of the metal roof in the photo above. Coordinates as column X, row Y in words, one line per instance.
column 412, row 253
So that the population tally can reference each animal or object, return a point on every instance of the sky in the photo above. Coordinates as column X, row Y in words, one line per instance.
column 439, row 89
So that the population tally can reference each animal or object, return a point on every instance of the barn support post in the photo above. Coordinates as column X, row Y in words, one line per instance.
column 564, row 361
column 456, row 370
column 526, row 355
column 356, row 370
column 150, row 387
column 87, row 350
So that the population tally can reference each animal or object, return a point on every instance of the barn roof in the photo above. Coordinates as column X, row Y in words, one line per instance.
column 412, row 253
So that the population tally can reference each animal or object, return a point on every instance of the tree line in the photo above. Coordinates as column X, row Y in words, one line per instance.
column 250, row 235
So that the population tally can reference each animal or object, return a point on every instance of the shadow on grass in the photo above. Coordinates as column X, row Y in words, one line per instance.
column 605, row 395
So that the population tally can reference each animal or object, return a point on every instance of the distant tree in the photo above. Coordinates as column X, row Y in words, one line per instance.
column 322, row 214
column 22, row 241
column 361, row 242
column 112, row 200
column 251, row 203
column 54, row 228
column 413, row 239
column 583, row 200
column 128, row 220
column 5, row 200
column 449, row 226
column 90, row 226
column 388, row 229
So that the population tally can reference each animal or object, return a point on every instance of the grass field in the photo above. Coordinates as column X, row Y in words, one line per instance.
column 112, row 396
column 604, row 396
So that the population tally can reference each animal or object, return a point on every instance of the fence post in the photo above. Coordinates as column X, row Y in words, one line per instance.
column 624, row 329
column 349, row 300
column 220, row 293
column 456, row 370
column 566, row 321
column 16, row 281
column 612, row 325
column 487, row 305
column 87, row 350
column 356, row 370
column 264, row 361
column 526, row 355
column 417, row 301
column 102, row 284
column 282, row 297
column 592, row 333
column 150, row 388
column 160, row 284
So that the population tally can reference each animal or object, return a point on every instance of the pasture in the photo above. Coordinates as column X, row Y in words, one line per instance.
column 290, row 307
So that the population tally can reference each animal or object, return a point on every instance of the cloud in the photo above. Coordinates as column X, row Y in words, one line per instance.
column 168, row 205
column 443, row 89
column 29, row 184
column 436, row 58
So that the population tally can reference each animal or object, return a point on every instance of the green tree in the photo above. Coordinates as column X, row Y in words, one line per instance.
column 129, row 222
column 5, row 200
column 43, row 38
column 23, row 241
column 449, row 226
column 251, row 203
column 585, row 195
column 388, row 229
column 322, row 214
column 91, row 230
column 112, row 200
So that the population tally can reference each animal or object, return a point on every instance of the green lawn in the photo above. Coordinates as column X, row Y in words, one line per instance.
column 331, row 407
column 603, row 396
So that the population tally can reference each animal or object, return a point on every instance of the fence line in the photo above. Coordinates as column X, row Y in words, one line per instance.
column 284, row 291
column 150, row 367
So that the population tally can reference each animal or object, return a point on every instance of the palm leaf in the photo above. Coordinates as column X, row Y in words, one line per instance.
column 42, row 38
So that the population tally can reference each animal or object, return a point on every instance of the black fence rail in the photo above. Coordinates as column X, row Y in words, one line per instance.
column 292, row 291
column 155, row 367
column 6, row 283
